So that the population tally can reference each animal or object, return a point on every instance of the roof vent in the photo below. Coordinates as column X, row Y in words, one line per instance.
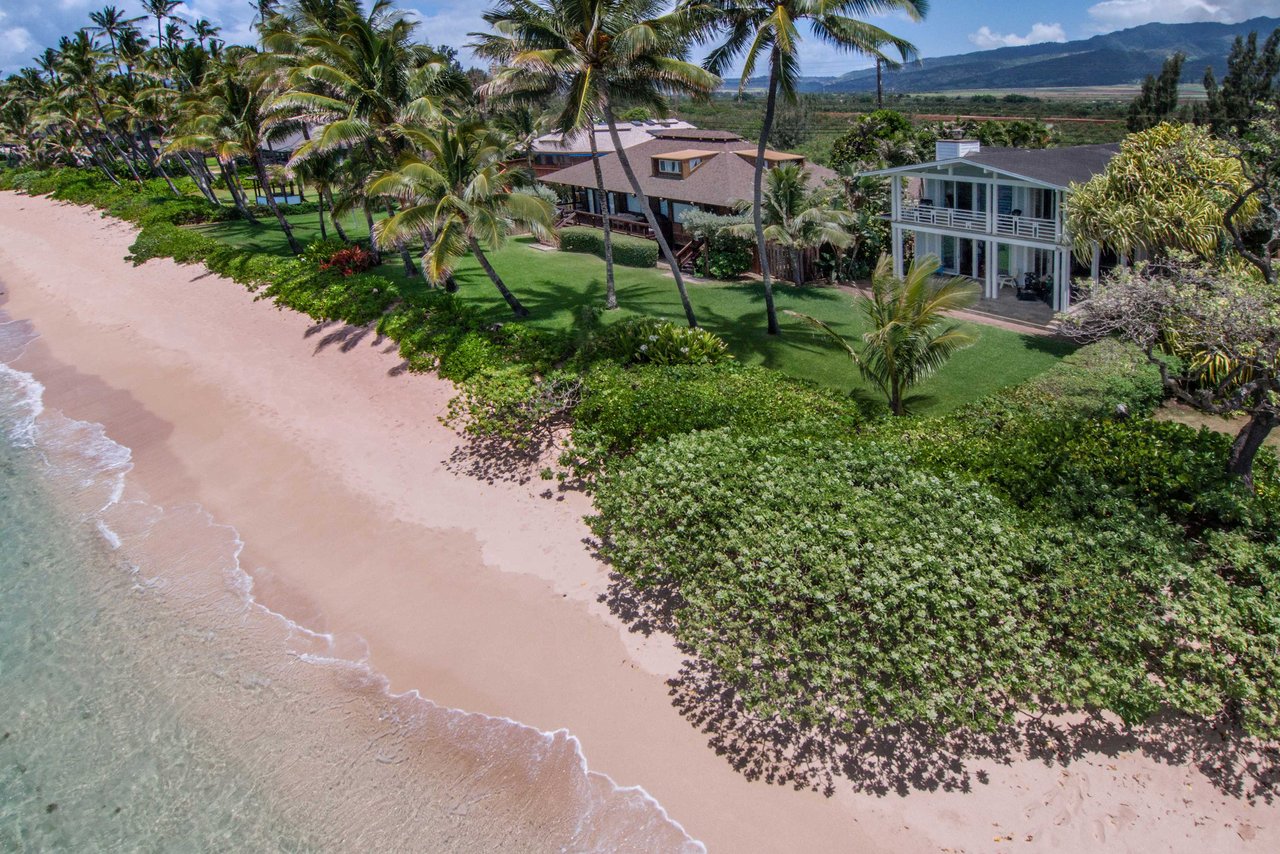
column 951, row 149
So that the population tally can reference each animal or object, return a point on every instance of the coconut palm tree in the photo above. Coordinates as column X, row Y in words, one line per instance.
column 461, row 191
column 595, row 55
column 770, row 30
column 111, row 22
column 364, row 80
column 797, row 219
column 909, row 338
column 231, row 121
column 161, row 10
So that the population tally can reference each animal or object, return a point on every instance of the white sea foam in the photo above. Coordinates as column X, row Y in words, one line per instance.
column 82, row 456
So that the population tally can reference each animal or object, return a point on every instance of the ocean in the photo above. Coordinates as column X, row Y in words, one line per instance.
column 147, row 702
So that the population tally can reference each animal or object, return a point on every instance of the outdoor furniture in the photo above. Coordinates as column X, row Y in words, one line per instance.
column 1008, row 281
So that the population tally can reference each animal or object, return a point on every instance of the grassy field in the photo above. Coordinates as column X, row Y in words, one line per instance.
column 557, row 286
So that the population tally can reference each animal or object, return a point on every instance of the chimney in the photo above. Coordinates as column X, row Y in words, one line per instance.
column 950, row 149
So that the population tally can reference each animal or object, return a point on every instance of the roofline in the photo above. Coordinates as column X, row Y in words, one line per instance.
column 876, row 173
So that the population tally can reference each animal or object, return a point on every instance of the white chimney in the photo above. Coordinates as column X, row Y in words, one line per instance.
column 950, row 149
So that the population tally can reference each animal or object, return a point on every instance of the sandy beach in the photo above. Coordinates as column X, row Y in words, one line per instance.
column 362, row 515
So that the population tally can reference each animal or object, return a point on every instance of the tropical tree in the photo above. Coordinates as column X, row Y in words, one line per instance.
column 1250, row 82
column 596, row 56
column 909, row 338
column 112, row 23
column 364, row 81
column 161, row 10
column 461, row 194
column 770, row 30
column 1168, row 188
column 1212, row 331
column 231, row 121
column 797, row 218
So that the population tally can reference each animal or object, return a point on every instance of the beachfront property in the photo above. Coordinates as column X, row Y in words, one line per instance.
column 681, row 170
column 995, row 215
column 554, row 151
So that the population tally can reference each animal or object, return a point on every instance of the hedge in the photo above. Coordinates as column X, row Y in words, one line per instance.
column 627, row 251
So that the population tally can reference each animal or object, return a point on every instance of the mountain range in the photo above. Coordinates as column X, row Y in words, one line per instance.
column 1121, row 57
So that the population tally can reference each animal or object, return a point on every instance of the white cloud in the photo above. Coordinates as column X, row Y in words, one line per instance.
column 15, row 44
column 986, row 39
column 1117, row 14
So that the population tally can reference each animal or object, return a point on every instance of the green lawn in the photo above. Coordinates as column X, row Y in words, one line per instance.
column 555, row 286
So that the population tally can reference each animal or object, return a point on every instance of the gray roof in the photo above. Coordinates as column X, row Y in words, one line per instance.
column 722, row 178
column 1057, row 166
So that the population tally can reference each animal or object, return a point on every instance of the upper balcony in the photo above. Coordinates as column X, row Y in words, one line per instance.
column 1012, row 224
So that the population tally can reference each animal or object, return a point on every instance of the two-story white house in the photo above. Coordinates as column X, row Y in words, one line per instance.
column 995, row 215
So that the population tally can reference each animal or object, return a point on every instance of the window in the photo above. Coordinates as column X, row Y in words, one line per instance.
column 669, row 167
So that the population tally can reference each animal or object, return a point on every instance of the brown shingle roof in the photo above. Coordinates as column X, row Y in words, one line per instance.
column 721, row 180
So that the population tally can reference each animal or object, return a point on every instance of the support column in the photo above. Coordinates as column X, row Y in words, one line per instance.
column 897, row 250
column 1095, row 264
column 895, row 196
column 993, row 271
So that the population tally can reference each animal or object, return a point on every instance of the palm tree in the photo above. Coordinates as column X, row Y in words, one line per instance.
column 769, row 29
column 908, row 339
column 460, row 191
column 160, row 10
column 111, row 22
column 593, row 54
column 365, row 81
column 231, row 121
column 202, row 29
column 796, row 218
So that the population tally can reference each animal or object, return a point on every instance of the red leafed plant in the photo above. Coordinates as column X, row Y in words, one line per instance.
column 349, row 261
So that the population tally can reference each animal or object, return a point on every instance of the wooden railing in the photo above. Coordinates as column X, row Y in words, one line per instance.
column 620, row 225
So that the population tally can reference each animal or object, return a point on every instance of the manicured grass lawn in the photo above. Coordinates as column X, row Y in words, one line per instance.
column 557, row 286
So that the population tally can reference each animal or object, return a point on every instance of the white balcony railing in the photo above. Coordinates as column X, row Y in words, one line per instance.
column 949, row 217
column 1027, row 226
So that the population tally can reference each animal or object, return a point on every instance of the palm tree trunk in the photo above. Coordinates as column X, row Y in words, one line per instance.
column 373, row 243
column 237, row 195
column 324, row 233
column 610, row 289
column 410, row 269
column 621, row 154
column 261, row 171
column 757, row 194
column 327, row 194
column 520, row 310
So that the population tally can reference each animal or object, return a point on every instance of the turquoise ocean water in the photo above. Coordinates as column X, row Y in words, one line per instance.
column 147, row 703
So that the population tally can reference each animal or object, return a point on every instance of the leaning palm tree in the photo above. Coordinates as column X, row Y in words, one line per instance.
column 796, row 218
column 161, row 10
column 461, row 192
column 769, row 30
column 909, row 339
column 361, row 77
column 593, row 55
column 230, row 120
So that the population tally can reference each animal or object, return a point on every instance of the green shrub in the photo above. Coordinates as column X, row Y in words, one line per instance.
column 647, row 340
column 627, row 251
column 728, row 256
column 831, row 581
column 623, row 409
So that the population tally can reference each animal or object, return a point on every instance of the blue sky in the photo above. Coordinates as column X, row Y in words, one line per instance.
column 958, row 26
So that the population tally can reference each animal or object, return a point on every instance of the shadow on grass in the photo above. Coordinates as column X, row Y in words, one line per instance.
column 904, row 759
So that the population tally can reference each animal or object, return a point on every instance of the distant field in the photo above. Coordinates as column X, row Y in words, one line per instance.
column 1121, row 92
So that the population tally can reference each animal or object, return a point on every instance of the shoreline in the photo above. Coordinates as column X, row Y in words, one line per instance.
column 334, row 469
column 480, row 596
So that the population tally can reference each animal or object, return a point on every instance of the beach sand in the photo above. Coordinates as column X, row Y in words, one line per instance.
column 360, row 518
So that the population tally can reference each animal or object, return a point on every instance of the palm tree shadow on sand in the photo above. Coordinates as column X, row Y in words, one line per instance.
column 905, row 759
